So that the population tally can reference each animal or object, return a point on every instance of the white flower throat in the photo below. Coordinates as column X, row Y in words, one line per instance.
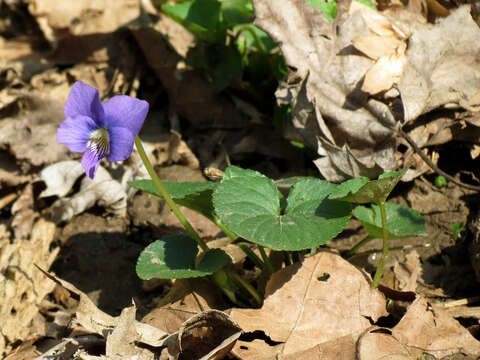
column 99, row 142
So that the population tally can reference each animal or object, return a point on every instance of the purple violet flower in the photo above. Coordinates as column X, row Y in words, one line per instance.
column 99, row 130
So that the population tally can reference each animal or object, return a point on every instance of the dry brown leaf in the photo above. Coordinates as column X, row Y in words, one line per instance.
column 375, row 46
column 386, row 72
column 56, row 19
column 98, row 322
column 24, row 214
column 379, row 344
column 329, row 89
column 29, row 134
column 442, row 67
column 330, row 76
column 321, row 299
column 186, row 298
column 429, row 328
column 22, row 287
column 209, row 335
column 258, row 349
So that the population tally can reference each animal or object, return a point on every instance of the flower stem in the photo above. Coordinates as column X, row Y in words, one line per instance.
column 246, row 286
column 255, row 259
column 166, row 196
column 265, row 259
column 383, row 260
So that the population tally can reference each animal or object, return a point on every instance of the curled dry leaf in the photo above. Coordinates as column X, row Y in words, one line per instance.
column 319, row 300
column 209, row 335
column 102, row 190
column 60, row 177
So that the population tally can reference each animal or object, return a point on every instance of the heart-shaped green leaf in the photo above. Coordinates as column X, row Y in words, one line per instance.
column 249, row 204
column 173, row 257
column 401, row 221
column 374, row 191
column 193, row 195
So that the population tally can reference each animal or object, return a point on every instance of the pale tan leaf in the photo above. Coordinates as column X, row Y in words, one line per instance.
column 309, row 303
column 375, row 46
column 386, row 72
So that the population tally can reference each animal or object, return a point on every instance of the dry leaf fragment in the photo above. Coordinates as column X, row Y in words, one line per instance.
column 56, row 18
column 375, row 46
column 302, row 309
column 98, row 322
column 442, row 66
column 60, row 177
column 408, row 272
column 431, row 329
column 101, row 190
column 386, row 72
column 22, row 288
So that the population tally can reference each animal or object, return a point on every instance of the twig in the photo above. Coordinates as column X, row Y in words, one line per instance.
column 432, row 165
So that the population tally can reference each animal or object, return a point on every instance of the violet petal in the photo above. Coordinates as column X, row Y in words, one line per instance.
column 121, row 143
column 84, row 100
column 125, row 111
column 75, row 132
column 90, row 161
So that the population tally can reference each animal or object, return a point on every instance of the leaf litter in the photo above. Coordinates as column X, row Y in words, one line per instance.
column 332, row 112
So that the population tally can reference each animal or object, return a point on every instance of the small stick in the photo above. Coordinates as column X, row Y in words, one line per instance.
column 432, row 165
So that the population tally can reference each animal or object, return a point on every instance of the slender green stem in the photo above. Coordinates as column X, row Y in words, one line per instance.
column 246, row 286
column 353, row 250
column 259, row 41
column 265, row 259
column 225, row 230
column 256, row 260
column 191, row 231
column 383, row 260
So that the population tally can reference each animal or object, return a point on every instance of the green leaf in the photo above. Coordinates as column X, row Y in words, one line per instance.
column 237, row 11
column 401, row 221
column 193, row 195
column 368, row 3
column 373, row 191
column 348, row 188
column 249, row 204
column 173, row 257
column 329, row 9
column 200, row 17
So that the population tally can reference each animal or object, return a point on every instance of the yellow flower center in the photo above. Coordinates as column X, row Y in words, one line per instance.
column 99, row 142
